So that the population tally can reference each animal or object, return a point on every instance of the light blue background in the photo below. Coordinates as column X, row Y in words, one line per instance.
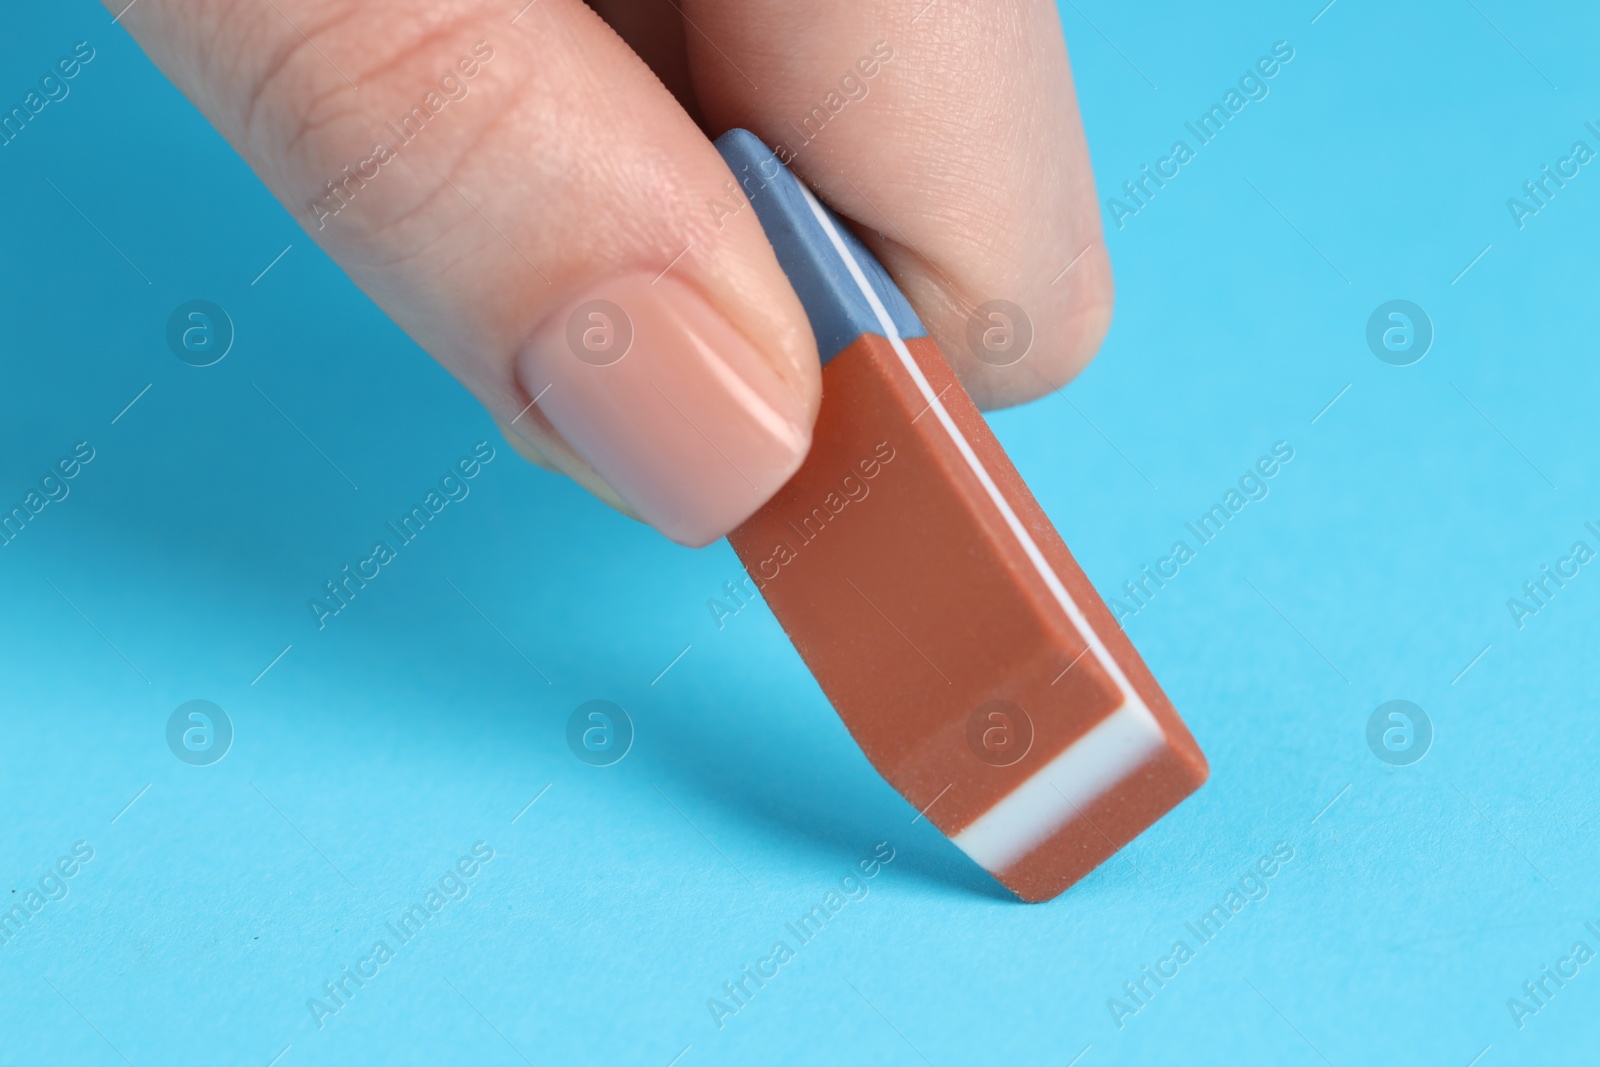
column 408, row 729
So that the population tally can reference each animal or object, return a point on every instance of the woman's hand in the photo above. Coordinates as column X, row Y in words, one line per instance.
column 486, row 170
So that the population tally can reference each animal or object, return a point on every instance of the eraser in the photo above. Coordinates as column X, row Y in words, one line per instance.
column 930, row 595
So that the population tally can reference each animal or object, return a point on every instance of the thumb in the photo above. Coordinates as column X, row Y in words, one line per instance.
column 523, row 197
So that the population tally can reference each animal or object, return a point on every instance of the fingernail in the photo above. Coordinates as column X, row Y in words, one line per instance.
column 668, row 402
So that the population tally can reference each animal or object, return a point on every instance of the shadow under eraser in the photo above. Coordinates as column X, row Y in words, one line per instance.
column 931, row 597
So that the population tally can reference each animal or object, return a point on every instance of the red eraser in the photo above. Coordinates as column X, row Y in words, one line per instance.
column 933, row 600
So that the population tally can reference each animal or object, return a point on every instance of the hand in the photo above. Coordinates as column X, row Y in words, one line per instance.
column 482, row 171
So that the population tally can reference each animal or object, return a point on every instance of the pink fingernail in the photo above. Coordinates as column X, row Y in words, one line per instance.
column 668, row 402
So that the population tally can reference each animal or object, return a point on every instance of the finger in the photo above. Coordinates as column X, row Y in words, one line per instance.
column 949, row 132
column 526, row 199
column 655, row 31
column 554, row 454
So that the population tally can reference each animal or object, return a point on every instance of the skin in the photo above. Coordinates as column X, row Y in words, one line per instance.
column 583, row 150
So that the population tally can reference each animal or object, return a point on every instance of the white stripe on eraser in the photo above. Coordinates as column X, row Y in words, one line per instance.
column 1024, row 818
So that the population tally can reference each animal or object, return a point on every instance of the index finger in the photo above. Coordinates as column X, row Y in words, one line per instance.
column 949, row 134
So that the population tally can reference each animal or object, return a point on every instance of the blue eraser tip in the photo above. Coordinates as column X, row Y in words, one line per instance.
column 807, row 236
